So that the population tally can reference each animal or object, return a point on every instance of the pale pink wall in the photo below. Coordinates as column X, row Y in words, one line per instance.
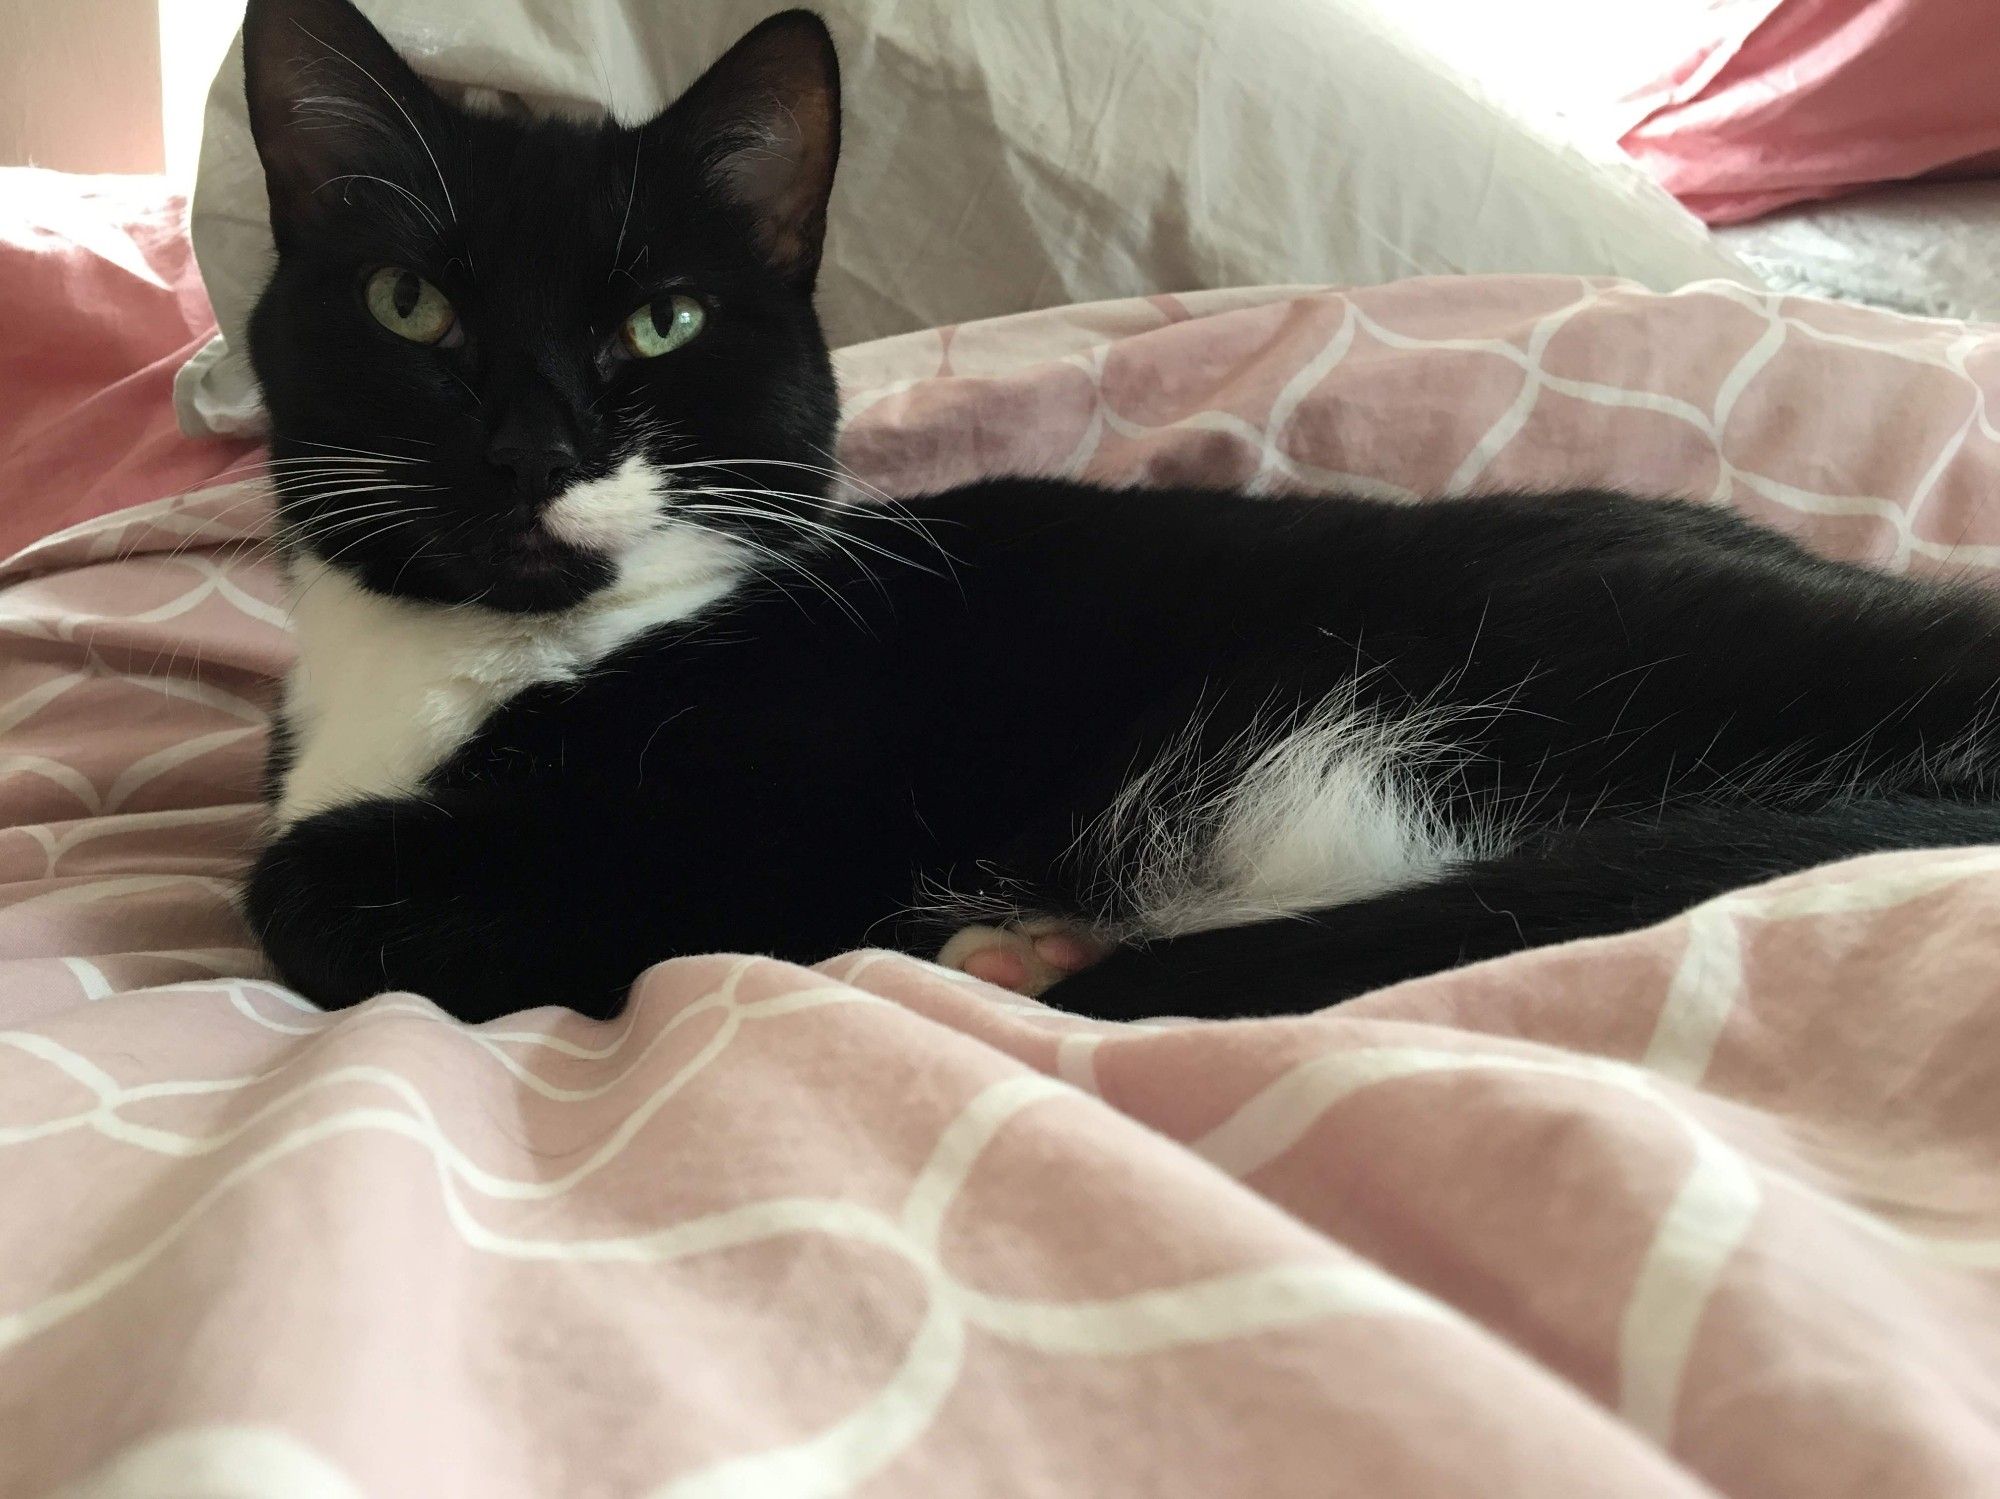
column 80, row 85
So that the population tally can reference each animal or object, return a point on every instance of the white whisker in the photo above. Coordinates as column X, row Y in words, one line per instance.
column 422, row 206
column 443, row 186
column 631, row 192
column 368, row 452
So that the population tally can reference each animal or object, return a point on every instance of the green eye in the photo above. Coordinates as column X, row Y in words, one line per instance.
column 663, row 326
column 409, row 306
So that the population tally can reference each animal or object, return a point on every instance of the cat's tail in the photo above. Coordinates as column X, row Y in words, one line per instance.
column 1605, row 877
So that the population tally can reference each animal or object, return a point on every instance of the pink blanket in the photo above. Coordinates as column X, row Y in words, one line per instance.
column 1711, row 1208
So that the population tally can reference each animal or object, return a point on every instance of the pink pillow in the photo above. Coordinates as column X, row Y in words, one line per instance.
column 100, row 304
column 1786, row 101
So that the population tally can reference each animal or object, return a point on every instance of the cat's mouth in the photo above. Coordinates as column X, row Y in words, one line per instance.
column 526, row 568
column 534, row 548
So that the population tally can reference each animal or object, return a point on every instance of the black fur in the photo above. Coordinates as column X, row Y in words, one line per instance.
column 785, row 779
column 1658, row 700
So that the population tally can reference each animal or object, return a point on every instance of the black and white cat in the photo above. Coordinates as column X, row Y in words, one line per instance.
column 598, row 666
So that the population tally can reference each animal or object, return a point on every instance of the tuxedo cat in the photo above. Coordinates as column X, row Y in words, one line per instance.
column 598, row 664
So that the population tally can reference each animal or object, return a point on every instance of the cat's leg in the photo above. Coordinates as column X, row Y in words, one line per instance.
column 1610, row 877
column 1029, row 957
column 432, row 896
column 489, row 900
column 1747, row 683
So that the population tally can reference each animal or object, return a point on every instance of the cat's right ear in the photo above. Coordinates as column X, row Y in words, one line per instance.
column 331, row 103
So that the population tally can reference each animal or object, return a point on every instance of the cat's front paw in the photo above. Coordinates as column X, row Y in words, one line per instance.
column 1029, row 957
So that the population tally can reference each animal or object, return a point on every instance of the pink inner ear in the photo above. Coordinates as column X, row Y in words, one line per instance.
column 766, row 118
column 764, row 165
column 769, row 169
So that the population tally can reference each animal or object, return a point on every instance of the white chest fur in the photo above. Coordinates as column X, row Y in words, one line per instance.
column 385, row 689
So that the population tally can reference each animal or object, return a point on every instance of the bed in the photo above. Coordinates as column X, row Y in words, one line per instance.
column 1918, row 247
column 1712, row 1208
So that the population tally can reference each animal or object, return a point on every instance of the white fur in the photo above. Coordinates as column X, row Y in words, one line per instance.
column 508, row 104
column 1281, row 821
column 1331, row 812
column 385, row 689
column 612, row 513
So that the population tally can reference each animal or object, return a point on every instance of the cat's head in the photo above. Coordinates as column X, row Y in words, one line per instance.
column 504, row 358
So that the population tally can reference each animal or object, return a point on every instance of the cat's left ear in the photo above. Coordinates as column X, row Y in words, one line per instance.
column 765, row 121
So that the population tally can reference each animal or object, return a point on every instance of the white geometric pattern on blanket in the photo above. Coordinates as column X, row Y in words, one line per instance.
column 215, row 1462
column 1720, row 1196
column 1706, row 1219
column 831, row 1462
column 1947, row 351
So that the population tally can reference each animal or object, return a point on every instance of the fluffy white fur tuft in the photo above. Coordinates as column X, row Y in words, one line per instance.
column 1283, row 820
column 1333, row 810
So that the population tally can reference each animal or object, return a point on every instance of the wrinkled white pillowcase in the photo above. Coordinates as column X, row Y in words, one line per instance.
column 1001, row 157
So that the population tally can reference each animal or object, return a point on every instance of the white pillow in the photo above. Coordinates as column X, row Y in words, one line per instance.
column 1001, row 157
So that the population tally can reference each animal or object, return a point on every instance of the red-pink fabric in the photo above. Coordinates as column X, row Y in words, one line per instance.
column 100, row 304
column 1787, row 101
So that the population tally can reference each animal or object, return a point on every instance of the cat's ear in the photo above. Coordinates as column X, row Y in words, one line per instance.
column 330, row 104
column 765, row 121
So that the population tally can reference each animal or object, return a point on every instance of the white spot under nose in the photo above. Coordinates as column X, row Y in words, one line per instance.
column 612, row 513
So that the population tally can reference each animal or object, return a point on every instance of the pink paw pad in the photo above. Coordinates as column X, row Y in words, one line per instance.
column 1030, row 958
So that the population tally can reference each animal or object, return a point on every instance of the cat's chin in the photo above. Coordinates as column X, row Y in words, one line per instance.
column 530, row 579
column 552, row 593
column 536, row 573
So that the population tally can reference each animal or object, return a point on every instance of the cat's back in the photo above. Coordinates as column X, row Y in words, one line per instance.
column 1212, row 557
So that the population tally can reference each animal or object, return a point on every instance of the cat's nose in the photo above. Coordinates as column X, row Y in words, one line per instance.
column 539, row 468
column 536, row 442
